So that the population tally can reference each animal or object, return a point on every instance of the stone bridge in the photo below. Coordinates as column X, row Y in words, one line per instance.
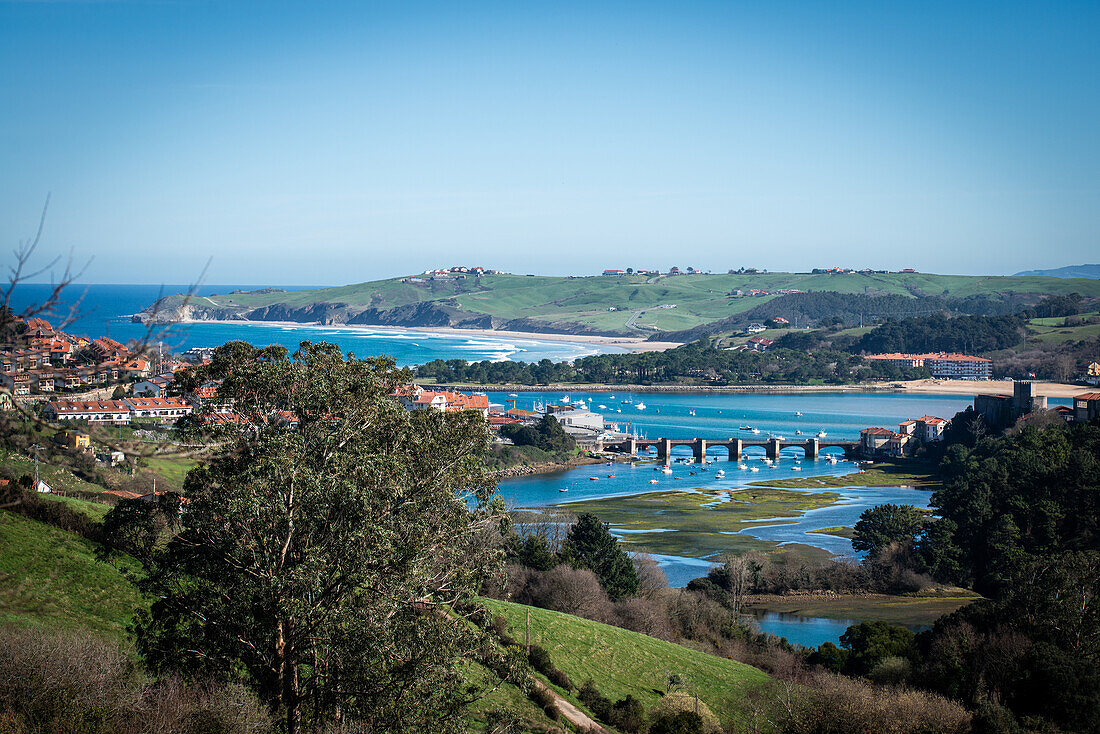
column 734, row 446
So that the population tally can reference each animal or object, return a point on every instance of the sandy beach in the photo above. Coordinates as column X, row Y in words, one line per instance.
column 628, row 344
column 988, row 387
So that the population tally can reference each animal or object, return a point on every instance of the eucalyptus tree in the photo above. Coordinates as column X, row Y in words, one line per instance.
column 325, row 544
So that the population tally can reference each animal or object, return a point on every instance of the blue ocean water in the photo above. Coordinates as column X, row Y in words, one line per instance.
column 104, row 310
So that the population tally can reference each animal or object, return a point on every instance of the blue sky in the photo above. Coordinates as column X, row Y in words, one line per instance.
column 334, row 142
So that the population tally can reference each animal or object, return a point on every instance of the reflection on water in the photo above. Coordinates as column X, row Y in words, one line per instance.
column 799, row 630
column 809, row 631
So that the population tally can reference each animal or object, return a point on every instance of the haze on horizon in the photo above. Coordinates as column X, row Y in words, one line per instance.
column 343, row 142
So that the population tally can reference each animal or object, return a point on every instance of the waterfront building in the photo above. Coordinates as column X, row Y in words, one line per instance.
column 1000, row 411
column 926, row 429
column 1086, row 406
column 942, row 365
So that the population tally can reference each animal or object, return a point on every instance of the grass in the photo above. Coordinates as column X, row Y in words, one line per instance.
column 173, row 471
column 95, row 510
column 910, row 610
column 699, row 524
column 500, row 697
column 1054, row 330
column 568, row 302
column 52, row 578
column 837, row 530
column 621, row 662
column 57, row 477
column 882, row 474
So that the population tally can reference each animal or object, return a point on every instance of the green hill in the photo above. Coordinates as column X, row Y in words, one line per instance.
column 51, row 577
column 623, row 305
column 621, row 662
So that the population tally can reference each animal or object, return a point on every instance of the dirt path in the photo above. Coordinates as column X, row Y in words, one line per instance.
column 571, row 713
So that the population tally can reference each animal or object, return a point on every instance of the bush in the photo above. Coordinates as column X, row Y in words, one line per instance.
column 75, row 682
column 596, row 702
column 839, row 704
column 669, row 714
column 628, row 714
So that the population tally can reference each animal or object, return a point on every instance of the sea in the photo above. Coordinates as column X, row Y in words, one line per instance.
column 105, row 310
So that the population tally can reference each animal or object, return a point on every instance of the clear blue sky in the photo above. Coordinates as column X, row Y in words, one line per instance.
column 334, row 142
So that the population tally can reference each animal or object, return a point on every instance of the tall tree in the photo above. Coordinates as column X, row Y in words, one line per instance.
column 882, row 525
column 325, row 543
column 591, row 545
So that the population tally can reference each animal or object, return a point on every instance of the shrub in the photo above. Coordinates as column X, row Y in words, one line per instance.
column 596, row 702
column 628, row 714
column 545, row 699
column 839, row 704
column 668, row 713
column 75, row 682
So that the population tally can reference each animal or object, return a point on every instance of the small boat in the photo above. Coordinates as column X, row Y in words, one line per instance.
column 640, row 406
column 513, row 395
column 720, row 473
column 798, row 413
column 796, row 468
column 564, row 489
column 593, row 479
column 658, row 410
column 781, row 438
column 822, row 434
column 652, row 481
column 610, row 476
column 565, row 398
column 690, row 412
column 742, row 467
column 603, row 407
column 618, row 410
column 755, row 468
column 798, row 433
column 773, row 466
column 666, row 470
column 744, row 428
column 755, row 430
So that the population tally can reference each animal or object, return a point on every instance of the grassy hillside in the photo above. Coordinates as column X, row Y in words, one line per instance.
column 51, row 577
column 623, row 662
column 583, row 303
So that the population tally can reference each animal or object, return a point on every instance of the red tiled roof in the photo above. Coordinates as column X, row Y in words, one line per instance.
column 931, row 419
column 158, row 403
column 1087, row 396
column 89, row 406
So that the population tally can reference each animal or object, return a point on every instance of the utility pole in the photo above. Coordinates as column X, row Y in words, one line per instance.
column 35, row 448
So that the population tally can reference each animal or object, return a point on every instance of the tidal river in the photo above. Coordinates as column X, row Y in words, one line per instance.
column 689, row 415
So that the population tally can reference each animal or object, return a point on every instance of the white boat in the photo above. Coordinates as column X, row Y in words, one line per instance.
column 796, row 468
column 565, row 398
column 822, row 434
column 755, row 468
column 666, row 470
column 798, row 413
column 755, row 430
column 691, row 412
column 798, row 433
column 742, row 467
column 564, row 489
column 640, row 406
column 603, row 407
column 618, row 410
column 513, row 395
column 652, row 481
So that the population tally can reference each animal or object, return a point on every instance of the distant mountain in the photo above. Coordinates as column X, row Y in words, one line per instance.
column 1069, row 271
